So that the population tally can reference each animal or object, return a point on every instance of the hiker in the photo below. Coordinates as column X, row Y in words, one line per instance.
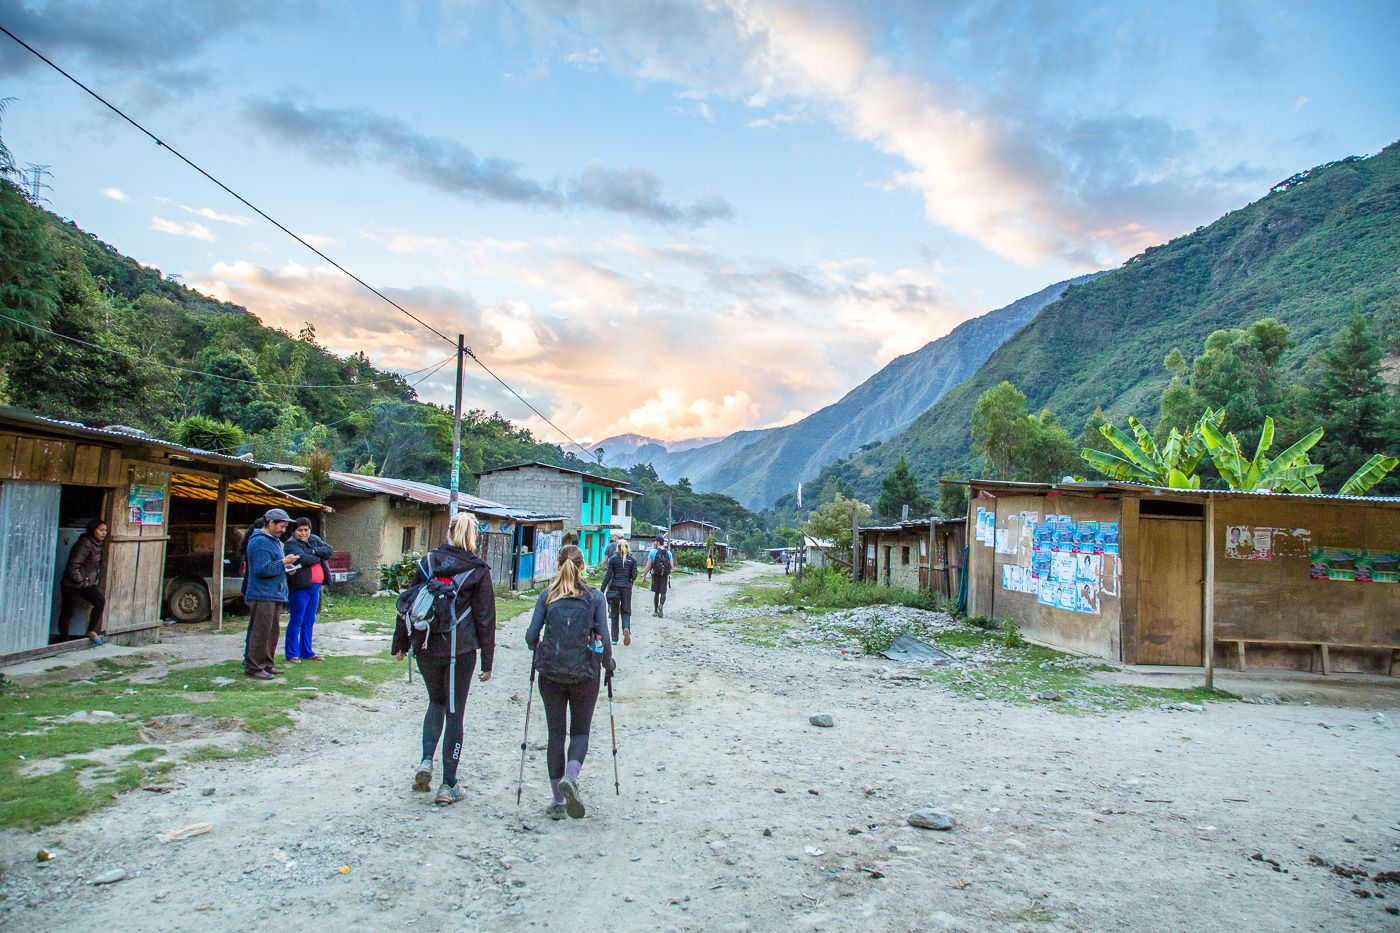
column 304, row 590
column 610, row 550
column 82, row 580
column 569, row 635
column 617, row 584
column 710, row 565
column 658, row 567
column 452, row 566
column 265, row 591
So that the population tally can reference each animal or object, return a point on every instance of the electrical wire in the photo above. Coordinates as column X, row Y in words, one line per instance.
column 253, row 207
column 197, row 372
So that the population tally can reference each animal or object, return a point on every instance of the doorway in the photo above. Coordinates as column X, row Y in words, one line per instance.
column 1171, row 572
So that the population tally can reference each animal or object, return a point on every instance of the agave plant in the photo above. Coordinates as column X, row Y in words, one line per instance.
column 1371, row 473
column 1172, row 464
column 1290, row 471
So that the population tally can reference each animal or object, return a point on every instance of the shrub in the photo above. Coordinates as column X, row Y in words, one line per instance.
column 690, row 559
column 399, row 574
column 208, row 434
column 1011, row 637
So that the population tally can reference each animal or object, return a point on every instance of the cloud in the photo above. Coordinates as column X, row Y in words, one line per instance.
column 351, row 136
column 191, row 229
column 116, row 194
column 237, row 219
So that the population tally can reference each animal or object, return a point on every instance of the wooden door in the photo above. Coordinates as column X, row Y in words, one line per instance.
column 1171, row 571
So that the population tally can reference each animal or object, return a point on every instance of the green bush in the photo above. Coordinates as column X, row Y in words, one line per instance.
column 399, row 574
column 1011, row 634
column 690, row 559
column 831, row 588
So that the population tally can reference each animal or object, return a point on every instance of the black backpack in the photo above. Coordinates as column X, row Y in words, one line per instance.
column 661, row 563
column 430, row 607
column 566, row 652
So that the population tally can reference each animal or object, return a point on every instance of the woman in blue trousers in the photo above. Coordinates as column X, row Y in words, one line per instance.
column 304, row 590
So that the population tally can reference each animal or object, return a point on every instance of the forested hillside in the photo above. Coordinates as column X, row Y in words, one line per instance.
column 1317, row 248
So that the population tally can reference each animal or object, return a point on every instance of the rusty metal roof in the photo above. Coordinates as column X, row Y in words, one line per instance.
column 19, row 418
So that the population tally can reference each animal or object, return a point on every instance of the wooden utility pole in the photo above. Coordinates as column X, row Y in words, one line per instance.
column 855, row 544
column 457, row 432
column 1208, row 597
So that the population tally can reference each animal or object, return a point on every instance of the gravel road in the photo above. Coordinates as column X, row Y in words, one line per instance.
column 737, row 814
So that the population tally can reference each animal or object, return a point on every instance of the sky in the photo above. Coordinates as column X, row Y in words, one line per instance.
column 678, row 219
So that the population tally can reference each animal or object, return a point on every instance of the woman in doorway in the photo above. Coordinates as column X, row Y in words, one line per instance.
column 446, row 676
column 617, row 584
column 304, row 590
column 569, row 635
column 82, row 579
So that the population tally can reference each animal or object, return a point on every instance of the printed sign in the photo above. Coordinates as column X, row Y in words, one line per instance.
column 1243, row 542
column 146, row 505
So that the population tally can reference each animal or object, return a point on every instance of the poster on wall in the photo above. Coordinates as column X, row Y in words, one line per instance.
column 1245, row 542
column 1040, row 563
column 1084, row 535
column 1108, row 582
column 1378, row 566
column 1064, row 535
column 1333, row 563
column 146, row 505
column 1001, row 541
column 981, row 525
column 1106, row 538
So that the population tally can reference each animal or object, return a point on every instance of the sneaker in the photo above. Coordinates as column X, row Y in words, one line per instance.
column 572, row 804
column 555, row 811
column 449, row 794
column 626, row 637
column 661, row 612
column 423, row 777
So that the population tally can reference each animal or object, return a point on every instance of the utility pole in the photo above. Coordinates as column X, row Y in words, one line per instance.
column 34, row 181
column 457, row 431
column 855, row 544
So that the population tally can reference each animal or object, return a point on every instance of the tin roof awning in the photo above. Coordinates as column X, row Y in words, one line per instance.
column 246, row 491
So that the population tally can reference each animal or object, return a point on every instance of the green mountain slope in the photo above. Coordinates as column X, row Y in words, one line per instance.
column 1307, row 253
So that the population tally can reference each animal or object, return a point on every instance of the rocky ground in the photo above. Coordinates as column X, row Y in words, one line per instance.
column 736, row 813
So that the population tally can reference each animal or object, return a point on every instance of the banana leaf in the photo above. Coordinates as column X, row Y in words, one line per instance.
column 1371, row 473
column 1152, row 470
column 1115, row 466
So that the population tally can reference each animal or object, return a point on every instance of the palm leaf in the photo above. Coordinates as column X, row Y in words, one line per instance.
column 1145, row 442
column 1115, row 466
column 1132, row 451
column 1371, row 473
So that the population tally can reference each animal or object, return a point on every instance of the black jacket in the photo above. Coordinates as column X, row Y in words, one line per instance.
column 475, row 633
column 314, row 551
column 84, row 563
column 620, row 573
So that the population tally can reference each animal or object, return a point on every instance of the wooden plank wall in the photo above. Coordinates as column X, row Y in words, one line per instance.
column 1278, row 599
column 44, row 460
column 135, row 562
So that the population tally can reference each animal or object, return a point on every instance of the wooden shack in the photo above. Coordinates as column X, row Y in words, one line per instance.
column 1149, row 575
column 899, row 555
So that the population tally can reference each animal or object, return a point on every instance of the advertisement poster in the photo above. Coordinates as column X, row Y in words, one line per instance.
column 1064, row 535
column 1084, row 535
column 1002, row 537
column 1044, row 533
column 1086, row 598
column 1243, row 542
column 146, row 504
column 1333, row 563
column 1029, row 521
column 980, row 525
column 1040, row 563
column 1106, row 539
column 1378, row 566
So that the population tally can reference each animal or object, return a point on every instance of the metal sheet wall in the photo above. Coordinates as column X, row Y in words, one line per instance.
column 28, row 540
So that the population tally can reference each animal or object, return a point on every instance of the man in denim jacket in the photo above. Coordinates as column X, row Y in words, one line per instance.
column 268, row 566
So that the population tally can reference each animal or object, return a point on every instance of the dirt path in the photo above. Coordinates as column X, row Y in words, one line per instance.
column 1140, row 821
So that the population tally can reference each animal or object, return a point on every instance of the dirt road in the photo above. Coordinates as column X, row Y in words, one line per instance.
column 736, row 814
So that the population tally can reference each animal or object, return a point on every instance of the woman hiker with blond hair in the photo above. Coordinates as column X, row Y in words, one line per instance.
column 446, row 676
column 569, row 636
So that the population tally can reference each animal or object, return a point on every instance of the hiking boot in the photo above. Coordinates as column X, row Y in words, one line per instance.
column 626, row 637
column 449, row 794
column 555, row 811
column 423, row 777
column 661, row 612
column 572, row 804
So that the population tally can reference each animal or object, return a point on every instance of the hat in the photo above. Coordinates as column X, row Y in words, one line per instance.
column 276, row 515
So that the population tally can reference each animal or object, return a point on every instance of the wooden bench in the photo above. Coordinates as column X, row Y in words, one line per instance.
column 1319, row 657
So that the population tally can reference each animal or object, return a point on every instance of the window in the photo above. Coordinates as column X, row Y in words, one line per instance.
column 626, row 506
column 585, row 495
column 423, row 537
column 617, row 506
column 408, row 535
column 904, row 555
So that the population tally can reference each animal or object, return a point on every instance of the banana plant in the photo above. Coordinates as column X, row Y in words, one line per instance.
column 1172, row 464
column 1371, row 473
column 1290, row 471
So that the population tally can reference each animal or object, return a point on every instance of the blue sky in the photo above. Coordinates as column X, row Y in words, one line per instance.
column 680, row 219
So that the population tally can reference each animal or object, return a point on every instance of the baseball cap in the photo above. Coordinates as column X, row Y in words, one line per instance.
column 276, row 515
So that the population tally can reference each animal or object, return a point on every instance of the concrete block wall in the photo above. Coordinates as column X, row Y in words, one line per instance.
column 537, row 489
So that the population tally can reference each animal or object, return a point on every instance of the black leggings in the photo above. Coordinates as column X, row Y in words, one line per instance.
column 658, row 596
column 435, row 678
column 620, row 609
column 72, row 598
column 574, row 702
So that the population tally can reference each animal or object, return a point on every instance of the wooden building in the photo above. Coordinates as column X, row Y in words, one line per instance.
column 55, row 476
column 692, row 534
column 379, row 519
column 898, row 555
column 1148, row 575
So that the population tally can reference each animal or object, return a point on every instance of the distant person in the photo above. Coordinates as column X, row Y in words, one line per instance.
column 82, row 580
column 658, row 568
column 787, row 562
column 710, row 565
column 446, row 676
column 611, row 549
column 304, row 590
column 569, row 635
column 265, row 592
column 617, row 585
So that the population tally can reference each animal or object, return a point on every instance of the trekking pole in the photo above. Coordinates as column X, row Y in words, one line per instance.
column 529, row 701
column 617, row 788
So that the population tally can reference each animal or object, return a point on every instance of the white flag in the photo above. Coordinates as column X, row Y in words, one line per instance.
column 799, row 495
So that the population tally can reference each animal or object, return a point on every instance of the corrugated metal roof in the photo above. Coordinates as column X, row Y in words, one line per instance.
column 1119, row 486
column 247, row 491
column 18, row 417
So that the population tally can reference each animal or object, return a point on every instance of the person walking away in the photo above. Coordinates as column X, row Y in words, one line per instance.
column 82, row 580
column 447, row 676
column 266, row 594
column 659, row 564
column 710, row 566
column 617, row 584
column 304, row 590
column 608, row 552
column 569, row 635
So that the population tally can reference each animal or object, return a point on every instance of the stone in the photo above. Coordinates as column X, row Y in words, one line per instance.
column 1050, row 696
column 932, row 818
column 979, row 696
column 745, row 599
column 111, row 876
column 822, row 720
column 208, row 792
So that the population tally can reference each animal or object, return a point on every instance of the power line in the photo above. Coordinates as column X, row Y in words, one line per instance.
column 556, row 427
column 250, row 205
column 197, row 372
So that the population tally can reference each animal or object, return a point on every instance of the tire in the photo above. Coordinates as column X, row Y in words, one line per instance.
column 188, row 601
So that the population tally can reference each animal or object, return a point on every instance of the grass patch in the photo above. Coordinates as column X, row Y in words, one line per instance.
column 33, row 792
column 379, row 613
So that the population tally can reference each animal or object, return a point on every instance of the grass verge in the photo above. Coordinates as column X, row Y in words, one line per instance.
column 378, row 613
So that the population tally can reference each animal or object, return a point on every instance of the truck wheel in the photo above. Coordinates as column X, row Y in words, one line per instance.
column 189, row 601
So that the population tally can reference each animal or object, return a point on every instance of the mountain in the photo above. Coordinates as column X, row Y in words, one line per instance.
column 1317, row 246
column 764, row 468
column 696, row 463
column 627, row 450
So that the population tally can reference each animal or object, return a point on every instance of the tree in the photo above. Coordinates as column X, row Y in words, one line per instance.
column 1238, row 375
column 230, row 387
column 832, row 522
column 317, row 482
column 1350, row 401
column 1172, row 463
column 1048, row 452
column 999, row 427
column 900, row 488
column 952, row 496
column 1092, row 437
column 1290, row 471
